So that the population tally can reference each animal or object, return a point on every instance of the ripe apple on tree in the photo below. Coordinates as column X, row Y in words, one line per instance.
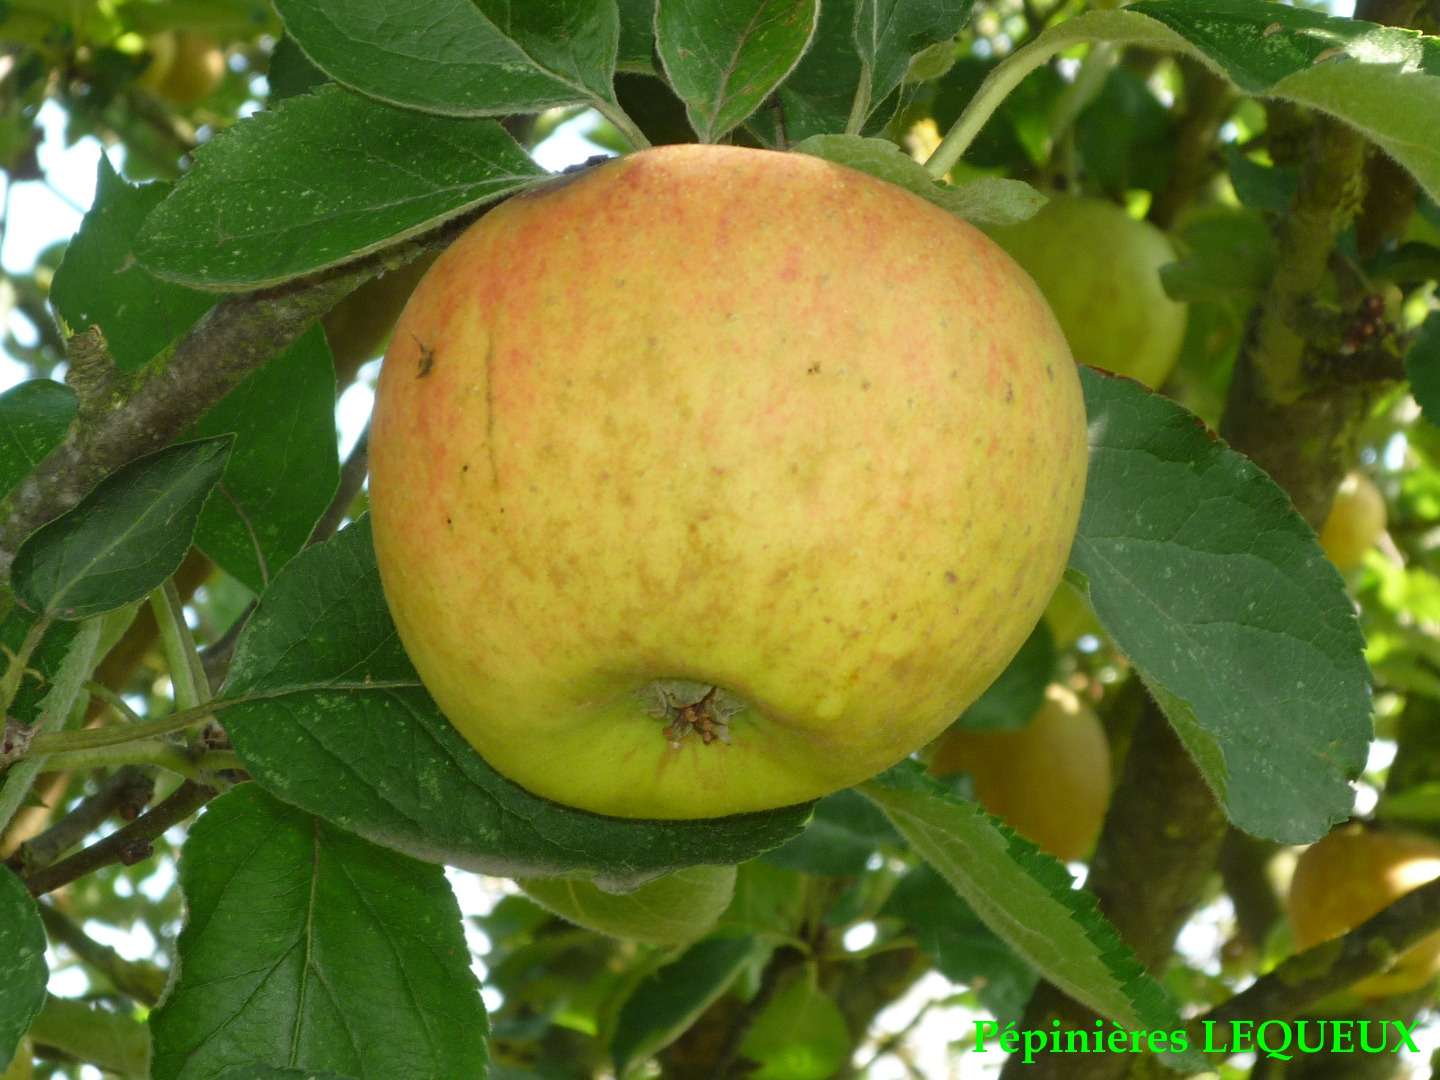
column 682, row 511
column 1350, row 875
column 1100, row 270
column 1049, row 780
column 1355, row 521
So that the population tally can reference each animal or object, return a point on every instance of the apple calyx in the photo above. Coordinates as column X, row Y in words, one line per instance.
column 707, row 716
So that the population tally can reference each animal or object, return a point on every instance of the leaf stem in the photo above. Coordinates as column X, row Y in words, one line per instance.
column 19, row 661
column 621, row 119
column 187, row 676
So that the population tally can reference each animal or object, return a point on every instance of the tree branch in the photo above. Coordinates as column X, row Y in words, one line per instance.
column 126, row 845
column 229, row 342
column 1305, row 978
column 125, row 792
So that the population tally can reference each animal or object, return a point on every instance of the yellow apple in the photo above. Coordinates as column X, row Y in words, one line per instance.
column 359, row 325
column 1352, row 874
column 1355, row 521
column 22, row 1068
column 681, row 509
column 1049, row 781
column 671, row 910
column 161, row 50
column 1099, row 268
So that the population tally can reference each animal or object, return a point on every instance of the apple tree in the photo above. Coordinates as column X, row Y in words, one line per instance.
column 240, row 837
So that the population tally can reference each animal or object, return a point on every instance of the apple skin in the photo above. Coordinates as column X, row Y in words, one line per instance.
column 187, row 66
column 1099, row 268
column 742, row 419
column 1350, row 875
column 1356, row 520
column 1049, row 781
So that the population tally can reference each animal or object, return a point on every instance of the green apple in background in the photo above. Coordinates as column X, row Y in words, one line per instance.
column 1356, row 520
column 1099, row 268
column 671, row 910
column 1350, row 875
column 1049, row 780
column 185, row 66
column 712, row 480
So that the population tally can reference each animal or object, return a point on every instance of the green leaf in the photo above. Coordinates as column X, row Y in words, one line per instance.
column 1024, row 896
column 284, row 468
column 1422, row 367
column 271, row 1072
column 817, row 97
column 1013, row 699
column 359, row 949
column 668, row 1002
column 22, row 944
column 844, row 835
column 637, row 36
column 325, row 178
column 291, row 72
column 1125, row 135
column 799, row 1035
column 724, row 58
column 962, row 947
column 462, row 57
column 889, row 33
column 1261, row 187
column 1201, row 570
column 99, row 283
column 34, row 418
column 124, row 539
column 984, row 202
column 1383, row 81
column 675, row 909
column 344, row 729
column 115, row 1042
column 1229, row 259
column 44, row 661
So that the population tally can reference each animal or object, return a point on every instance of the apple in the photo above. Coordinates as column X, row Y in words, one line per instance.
column 712, row 480
column 186, row 66
column 1099, row 268
column 671, row 910
column 1355, row 521
column 358, row 327
column 22, row 1067
column 1352, row 874
column 1049, row 780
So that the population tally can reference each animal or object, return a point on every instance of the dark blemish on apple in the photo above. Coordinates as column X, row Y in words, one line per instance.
column 1050, row 372
column 813, row 369
column 450, row 522
column 465, row 467
column 427, row 359
column 865, row 384
column 1009, row 393
column 950, row 578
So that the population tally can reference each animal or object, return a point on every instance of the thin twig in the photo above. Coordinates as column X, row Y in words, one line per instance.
column 127, row 845
column 143, row 982
column 126, row 792
column 352, row 479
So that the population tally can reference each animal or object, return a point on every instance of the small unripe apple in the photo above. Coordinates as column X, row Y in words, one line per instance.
column 671, row 910
column 1355, row 521
column 1049, row 781
column 186, row 66
column 1350, row 875
column 713, row 480
column 1100, row 270
column 23, row 1066
column 358, row 327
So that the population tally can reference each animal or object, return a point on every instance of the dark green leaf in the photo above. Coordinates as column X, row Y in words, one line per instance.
column 724, row 59
column 291, row 72
column 963, row 949
column 769, row 902
column 99, row 283
column 888, row 34
column 284, row 468
column 359, row 949
column 1125, row 136
column 1206, row 577
column 669, row 1001
column 125, row 538
column 34, row 418
column 327, row 177
column 1024, row 896
column 1016, row 696
column 817, row 97
column 1422, row 366
column 346, row 731
column 271, row 1072
column 462, row 57
column 845, row 833
column 45, row 661
column 637, row 35
column 1229, row 259
column 22, row 945
column 800, row 1034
